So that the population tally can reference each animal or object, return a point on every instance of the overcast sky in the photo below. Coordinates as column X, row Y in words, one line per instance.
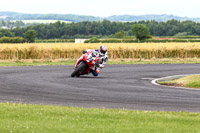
column 104, row 8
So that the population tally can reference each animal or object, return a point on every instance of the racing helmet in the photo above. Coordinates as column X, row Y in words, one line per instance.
column 102, row 50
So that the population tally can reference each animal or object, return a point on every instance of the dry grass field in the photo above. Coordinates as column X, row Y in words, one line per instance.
column 54, row 51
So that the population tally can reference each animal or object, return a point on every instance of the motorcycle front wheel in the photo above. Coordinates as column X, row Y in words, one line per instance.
column 79, row 69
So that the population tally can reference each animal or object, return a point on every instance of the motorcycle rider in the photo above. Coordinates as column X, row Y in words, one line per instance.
column 102, row 53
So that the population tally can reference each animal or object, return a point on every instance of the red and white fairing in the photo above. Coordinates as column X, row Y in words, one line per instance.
column 89, row 60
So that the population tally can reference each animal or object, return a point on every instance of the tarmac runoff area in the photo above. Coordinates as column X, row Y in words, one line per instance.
column 117, row 86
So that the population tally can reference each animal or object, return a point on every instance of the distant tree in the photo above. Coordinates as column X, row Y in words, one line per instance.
column 94, row 40
column 181, row 34
column 141, row 31
column 30, row 35
column 100, row 29
column 6, row 32
column 120, row 34
column 19, row 24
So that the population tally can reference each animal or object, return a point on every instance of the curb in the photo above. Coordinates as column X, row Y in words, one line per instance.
column 171, row 78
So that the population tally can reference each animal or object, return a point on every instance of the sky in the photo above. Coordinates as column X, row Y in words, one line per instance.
column 104, row 8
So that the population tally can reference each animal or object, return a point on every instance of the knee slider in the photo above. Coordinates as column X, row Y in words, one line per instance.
column 95, row 73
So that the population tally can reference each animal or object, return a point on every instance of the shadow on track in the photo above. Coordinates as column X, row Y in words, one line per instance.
column 89, row 77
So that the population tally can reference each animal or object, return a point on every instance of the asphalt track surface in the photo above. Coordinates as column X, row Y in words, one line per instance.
column 118, row 86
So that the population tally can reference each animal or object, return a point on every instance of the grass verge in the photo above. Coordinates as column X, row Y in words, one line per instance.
column 111, row 61
column 192, row 81
column 23, row 118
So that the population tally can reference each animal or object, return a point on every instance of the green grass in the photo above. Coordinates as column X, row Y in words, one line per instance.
column 46, row 63
column 152, row 61
column 24, row 118
column 112, row 61
column 192, row 81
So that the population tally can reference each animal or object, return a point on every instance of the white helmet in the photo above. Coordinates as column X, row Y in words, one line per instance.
column 102, row 50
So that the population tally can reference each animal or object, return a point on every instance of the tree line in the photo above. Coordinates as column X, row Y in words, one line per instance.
column 107, row 29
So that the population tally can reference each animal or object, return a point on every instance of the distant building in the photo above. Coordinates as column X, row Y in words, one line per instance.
column 3, row 27
column 3, row 17
column 80, row 40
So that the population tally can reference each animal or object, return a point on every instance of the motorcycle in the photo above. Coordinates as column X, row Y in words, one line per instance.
column 85, row 64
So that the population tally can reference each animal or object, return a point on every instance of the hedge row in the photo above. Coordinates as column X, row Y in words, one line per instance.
column 93, row 40
column 55, row 41
column 12, row 40
column 187, row 37
column 136, row 41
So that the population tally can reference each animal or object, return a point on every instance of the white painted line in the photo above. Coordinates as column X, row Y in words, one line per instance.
column 155, row 83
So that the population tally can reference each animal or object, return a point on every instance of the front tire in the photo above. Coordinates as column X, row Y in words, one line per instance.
column 78, row 69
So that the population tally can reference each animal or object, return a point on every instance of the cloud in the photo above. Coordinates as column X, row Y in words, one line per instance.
column 104, row 7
